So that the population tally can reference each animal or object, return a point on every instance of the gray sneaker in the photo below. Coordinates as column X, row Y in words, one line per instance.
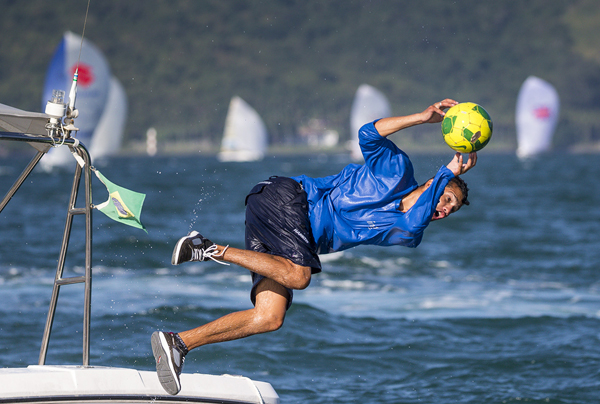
column 194, row 247
column 169, row 360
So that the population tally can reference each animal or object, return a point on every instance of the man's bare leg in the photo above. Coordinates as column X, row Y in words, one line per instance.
column 281, row 270
column 267, row 315
column 169, row 349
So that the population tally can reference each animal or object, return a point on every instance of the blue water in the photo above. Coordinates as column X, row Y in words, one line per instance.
column 499, row 304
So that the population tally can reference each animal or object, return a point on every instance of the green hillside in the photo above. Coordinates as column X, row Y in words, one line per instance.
column 293, row 61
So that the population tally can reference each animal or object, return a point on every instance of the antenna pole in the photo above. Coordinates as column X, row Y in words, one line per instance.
column 73, row 92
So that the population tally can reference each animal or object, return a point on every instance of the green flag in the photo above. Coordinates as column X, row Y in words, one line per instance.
column 123, row 205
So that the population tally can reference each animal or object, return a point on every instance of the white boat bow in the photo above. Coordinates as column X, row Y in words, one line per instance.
column 81, row 384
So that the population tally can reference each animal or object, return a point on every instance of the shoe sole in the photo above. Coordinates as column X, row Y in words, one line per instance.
column 177, row 249
column 167, row 376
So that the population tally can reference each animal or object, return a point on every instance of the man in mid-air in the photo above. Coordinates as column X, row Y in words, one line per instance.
column 289, row 221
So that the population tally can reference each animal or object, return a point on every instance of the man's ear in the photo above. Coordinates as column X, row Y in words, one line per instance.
column 428, row 183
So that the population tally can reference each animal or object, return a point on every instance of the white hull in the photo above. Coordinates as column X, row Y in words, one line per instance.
column 240, row 156
column 70, row 384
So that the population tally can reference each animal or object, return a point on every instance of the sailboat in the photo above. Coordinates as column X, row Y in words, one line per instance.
column 42, row 383
column 369, row 104
column 107, row 138
column 102, row 102
column 537, row 111
column 245, row 134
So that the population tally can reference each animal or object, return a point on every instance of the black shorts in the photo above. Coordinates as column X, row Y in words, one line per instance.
column 277, row 223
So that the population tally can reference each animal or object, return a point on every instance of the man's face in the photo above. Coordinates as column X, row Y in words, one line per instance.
column 449, row 203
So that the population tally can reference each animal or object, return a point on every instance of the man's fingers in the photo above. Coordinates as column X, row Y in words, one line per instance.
column 456, row 165
column 470, row 163
column 473, row 156
column 472, row 159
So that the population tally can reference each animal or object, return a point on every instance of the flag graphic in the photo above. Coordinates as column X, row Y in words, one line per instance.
column 122, row 205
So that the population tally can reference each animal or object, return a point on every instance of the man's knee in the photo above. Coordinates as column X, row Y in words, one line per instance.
column 302, row 276
column 268, row 316
column 270, row 321
column 271, row 305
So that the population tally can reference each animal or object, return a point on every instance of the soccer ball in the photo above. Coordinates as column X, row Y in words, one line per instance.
column 467, row 127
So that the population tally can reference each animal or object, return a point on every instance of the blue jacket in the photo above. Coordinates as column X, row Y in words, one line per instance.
column 360, row 204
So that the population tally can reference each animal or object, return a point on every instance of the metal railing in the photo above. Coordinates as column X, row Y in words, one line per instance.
column 43, row 144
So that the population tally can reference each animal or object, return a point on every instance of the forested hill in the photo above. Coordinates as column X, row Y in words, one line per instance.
column 295, row 60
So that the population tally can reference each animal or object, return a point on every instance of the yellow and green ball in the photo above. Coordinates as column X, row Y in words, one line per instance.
column 467, row 127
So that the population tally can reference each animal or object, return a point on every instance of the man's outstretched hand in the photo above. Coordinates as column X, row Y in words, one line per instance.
column 456, row 165
column 435, row 113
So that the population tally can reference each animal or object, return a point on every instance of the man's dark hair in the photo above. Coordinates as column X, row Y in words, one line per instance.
column 460, row 184
column 463, row 188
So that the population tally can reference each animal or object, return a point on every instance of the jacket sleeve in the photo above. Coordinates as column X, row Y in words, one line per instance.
column 419, row 215
column 381, row 155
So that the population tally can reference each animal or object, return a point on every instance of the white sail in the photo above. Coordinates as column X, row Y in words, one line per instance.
column 369, row 104
column 536, row 117
column 108, row 135
column 99, row 96
column 245, row 134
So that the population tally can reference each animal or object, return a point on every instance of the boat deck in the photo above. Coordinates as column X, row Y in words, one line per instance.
column 69, row 384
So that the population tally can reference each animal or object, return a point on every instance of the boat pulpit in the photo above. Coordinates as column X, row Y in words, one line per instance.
column 85, row 383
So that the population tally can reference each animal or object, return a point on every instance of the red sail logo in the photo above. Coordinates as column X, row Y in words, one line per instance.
column 85, row 77
column 542, row 112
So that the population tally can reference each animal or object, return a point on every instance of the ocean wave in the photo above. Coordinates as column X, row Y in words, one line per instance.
column 448, row 294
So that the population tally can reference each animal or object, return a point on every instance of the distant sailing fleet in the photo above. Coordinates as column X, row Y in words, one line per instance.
column 102, row 105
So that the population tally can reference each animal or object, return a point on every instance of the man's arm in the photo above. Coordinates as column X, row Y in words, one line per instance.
column 434, row 113
column 456, row 165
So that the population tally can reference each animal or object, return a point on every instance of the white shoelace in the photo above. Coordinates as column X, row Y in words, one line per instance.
column 200, row 254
